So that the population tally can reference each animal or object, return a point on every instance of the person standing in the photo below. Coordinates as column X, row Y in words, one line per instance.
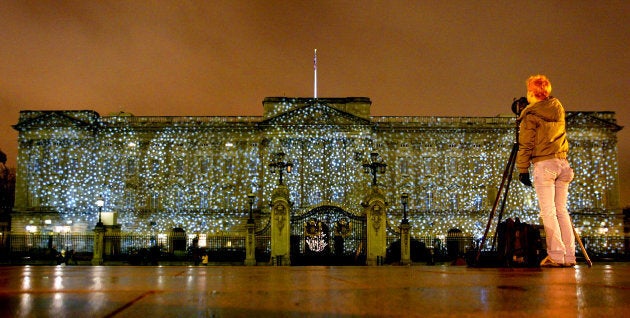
column 204, row 259
column 543, row 144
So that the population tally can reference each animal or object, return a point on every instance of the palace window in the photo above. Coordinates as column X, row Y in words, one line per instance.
column 179, row 198
column 203, row 200
column 155, row 165
column 229, row 165
column 129, row 202
column 404, row 165
column 454, row 201
column 478, row 202
column 131, row 166
column 598, row 200
column 154, row 201
column 428, row 199
column 428, row 166
column 179, row 166
column 204, row 165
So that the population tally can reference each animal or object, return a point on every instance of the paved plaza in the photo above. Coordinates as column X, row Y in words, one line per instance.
column 270, row 291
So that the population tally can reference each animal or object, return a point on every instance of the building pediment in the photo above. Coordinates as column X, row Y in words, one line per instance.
column 79, row 119
column 602, row 120
column 316, row 113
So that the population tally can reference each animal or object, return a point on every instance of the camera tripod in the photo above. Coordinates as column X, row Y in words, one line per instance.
column 502, row 195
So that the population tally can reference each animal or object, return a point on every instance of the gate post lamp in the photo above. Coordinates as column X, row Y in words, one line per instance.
column 99, row 203
column 251, row 197
column 374, row 166
column 99, row 230
column 404, row 199
column 280, row 165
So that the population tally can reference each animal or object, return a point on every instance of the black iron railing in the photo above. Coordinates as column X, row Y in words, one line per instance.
column 118, row 248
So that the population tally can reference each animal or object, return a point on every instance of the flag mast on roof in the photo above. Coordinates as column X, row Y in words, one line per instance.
column 315, row 75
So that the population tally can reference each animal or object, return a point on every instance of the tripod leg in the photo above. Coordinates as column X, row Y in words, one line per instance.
column 579, row 240
column 506, row 194
column 506, row 175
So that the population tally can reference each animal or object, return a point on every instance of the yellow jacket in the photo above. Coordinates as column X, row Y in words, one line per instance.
column 542, row 133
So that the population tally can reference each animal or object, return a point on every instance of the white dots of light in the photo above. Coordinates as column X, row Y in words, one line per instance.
column 160, row 172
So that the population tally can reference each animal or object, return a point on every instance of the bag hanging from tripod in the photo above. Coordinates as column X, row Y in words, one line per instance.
column 519, row 244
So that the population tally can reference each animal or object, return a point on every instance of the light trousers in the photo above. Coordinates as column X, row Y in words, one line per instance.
column 551, row 181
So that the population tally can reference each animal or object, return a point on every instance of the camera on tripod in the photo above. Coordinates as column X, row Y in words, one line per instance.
column 518, row 105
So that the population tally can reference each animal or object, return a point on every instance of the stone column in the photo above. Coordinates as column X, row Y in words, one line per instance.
column 99, row 233
column 250, row 244
column 280, row 226
column 376, row 216
column 405, row 244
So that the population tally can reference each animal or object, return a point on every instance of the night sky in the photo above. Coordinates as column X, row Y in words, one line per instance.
column 415, row 58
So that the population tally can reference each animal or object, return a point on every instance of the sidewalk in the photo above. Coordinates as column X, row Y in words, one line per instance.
column 268, row 291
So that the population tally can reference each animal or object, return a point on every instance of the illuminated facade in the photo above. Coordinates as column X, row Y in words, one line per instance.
column 160, row 173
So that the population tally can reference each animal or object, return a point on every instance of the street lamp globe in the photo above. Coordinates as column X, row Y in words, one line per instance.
column 100, row 202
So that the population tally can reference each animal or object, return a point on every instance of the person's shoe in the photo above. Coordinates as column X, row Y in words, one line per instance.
column 569, row 264
column 548, row 262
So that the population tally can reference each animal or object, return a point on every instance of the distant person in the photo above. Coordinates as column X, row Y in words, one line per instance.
column 204, row 259
column 60, row 257
column 71, row 257
column 543, row 144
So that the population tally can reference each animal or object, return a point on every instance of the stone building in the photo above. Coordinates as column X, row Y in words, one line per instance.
column 7, row 194
column 195, row 173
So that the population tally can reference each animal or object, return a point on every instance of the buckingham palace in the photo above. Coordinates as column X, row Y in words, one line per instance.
column 211, row 175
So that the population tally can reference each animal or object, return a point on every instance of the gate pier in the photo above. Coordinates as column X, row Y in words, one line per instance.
column 280, row 226
column 375, row 210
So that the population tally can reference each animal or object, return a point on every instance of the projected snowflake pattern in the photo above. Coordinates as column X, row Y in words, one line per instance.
column 195, row 172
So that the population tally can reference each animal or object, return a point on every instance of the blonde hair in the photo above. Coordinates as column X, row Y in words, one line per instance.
column 539, row 85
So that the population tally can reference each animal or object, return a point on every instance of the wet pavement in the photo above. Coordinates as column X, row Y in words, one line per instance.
column 269, row 291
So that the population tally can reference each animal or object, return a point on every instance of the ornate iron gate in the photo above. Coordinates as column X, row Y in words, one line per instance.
column 328, row 235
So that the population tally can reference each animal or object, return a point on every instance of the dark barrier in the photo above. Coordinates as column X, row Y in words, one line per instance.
column 145, row 249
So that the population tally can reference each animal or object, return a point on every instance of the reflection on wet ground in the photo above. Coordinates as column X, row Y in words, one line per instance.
column 268, row 291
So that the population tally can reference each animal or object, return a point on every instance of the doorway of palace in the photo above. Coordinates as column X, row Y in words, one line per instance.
column 328, row 235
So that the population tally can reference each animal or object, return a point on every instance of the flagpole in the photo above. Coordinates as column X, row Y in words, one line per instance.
column 315, row 75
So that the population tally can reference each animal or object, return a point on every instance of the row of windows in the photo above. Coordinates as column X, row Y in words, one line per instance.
column 429, row 165
column 155, row 202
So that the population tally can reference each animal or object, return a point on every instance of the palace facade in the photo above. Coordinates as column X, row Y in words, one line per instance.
column 155, row 174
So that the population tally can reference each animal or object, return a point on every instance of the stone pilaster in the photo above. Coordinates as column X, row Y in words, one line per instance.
column 250, row 245
column 112, row 246
column 375, row 209
column 99, row 233
column 280, row 226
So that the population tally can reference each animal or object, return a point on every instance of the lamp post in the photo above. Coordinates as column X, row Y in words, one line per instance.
column 250, row 239
column 404, row 199
column 405, row 239
column 99, row 203
column 280, row 165
column 99, row 230
column 251, row 198
column 374, row 166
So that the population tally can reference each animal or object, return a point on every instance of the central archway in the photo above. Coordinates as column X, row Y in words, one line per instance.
column 328, row 235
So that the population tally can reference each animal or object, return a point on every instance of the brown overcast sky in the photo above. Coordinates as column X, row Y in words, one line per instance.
column 443, row 58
